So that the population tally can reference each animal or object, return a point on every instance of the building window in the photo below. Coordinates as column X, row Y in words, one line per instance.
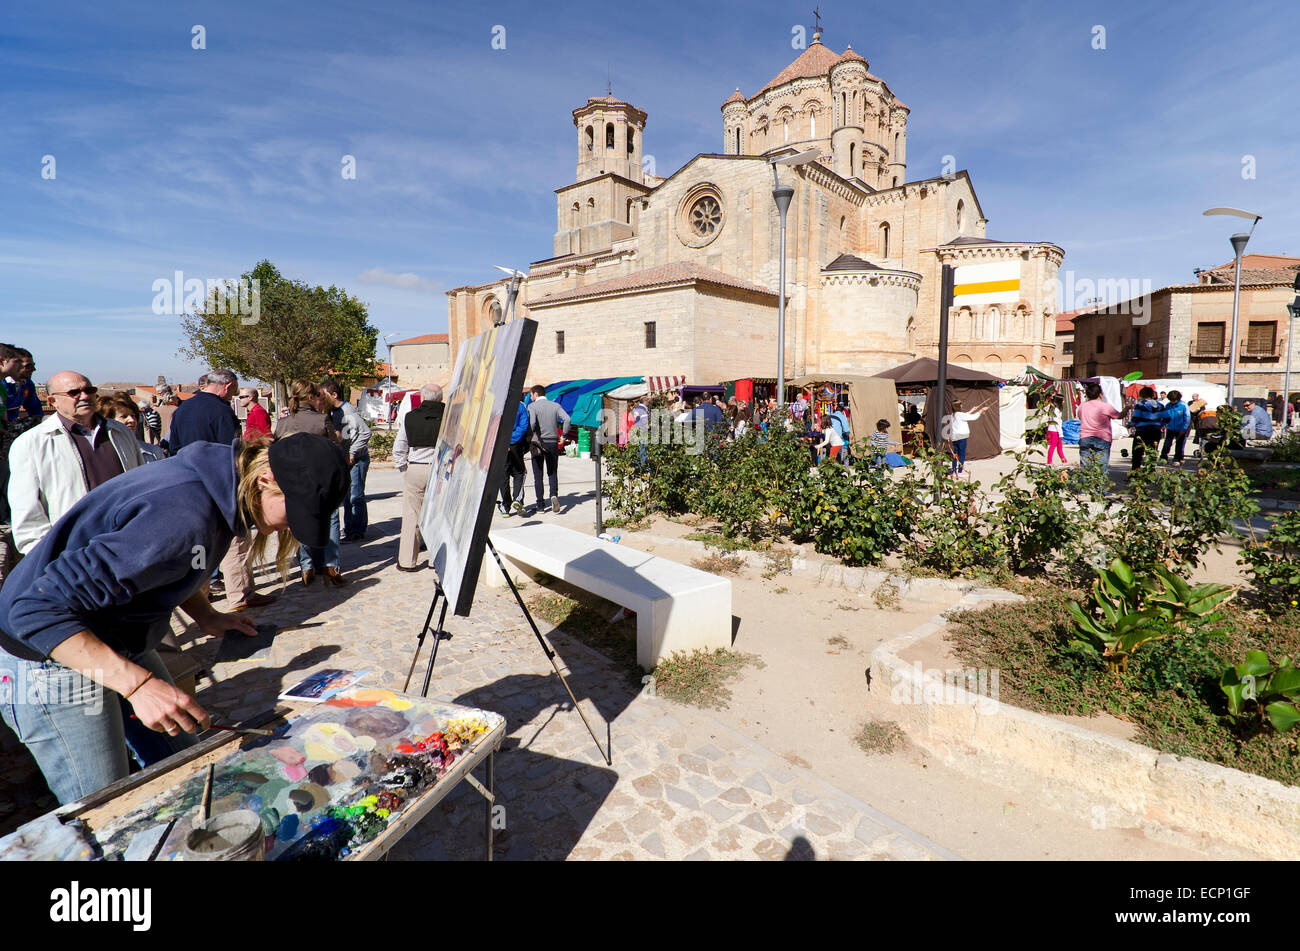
column 591, row 139
column 706, row 215
column 961, row 210
column 609, row 135
column 630, row 139
column 737, row 140
column 1068, row 346
column 1261, row 337
column 629, row 211
column 649, row 334
column 787, row 128
column 1209, row 338
column 884, row 240
column 812, row 120
column 852, row 170
column 559, row 341
column 1101, row 343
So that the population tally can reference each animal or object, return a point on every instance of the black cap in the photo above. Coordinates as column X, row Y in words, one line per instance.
column 313, row 474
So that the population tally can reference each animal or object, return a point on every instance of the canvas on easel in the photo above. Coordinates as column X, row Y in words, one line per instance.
column 470, row 456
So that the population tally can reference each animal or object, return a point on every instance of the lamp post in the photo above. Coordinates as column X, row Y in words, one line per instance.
column 512, row 293
column 1293, row 311
column 782, row 194
column 1238, row 246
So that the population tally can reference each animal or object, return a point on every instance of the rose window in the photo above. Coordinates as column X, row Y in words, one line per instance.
column 706, row 215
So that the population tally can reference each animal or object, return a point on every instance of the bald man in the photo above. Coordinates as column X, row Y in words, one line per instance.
column 72, row 451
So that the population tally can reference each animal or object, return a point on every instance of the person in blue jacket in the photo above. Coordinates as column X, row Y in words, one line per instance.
column 1180, row 422
column 82, row 614
column 1147, row 420
column 512, row 484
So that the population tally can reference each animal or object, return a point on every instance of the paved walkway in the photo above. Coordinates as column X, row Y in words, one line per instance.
column 682, row 784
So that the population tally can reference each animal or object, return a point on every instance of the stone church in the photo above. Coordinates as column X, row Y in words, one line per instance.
column 680, row 275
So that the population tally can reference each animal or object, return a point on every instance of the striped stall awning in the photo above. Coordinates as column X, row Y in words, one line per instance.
column 659, row 384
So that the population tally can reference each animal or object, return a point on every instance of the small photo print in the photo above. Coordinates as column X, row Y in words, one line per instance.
column 324, row 685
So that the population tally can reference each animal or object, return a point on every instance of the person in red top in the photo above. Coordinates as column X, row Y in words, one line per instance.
column 258, row 421
column 1094, row 429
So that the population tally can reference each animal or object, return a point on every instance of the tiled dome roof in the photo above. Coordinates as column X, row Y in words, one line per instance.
column 816, row 60
column 851, row 55
column 734, row 97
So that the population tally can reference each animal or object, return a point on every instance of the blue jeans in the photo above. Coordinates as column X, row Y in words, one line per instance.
column 959, row 447
column 355, row 518
column 1093, row 450
column 77, row 731
column 327, row 557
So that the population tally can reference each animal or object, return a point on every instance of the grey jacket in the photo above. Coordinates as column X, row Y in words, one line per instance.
column 546, row 415
column 352, row 427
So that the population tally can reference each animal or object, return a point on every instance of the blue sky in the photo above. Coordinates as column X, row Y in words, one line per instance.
column 169, row 158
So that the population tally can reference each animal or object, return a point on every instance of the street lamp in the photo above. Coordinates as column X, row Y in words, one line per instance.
column 515, row 278
column 782, row 194
column 1293, row 311
column 1239, row 241
column 388, row 341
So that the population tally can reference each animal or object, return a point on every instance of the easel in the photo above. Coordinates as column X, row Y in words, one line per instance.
column 439, row 635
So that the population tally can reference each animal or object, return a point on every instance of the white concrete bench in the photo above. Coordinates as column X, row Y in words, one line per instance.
column 678, row 608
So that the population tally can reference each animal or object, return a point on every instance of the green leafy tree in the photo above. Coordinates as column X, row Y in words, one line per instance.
column 298, row 332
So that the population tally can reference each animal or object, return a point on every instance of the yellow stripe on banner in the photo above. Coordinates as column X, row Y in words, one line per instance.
column 986, row 287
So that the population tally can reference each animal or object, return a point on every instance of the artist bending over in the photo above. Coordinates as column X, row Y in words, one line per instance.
column 94, row 598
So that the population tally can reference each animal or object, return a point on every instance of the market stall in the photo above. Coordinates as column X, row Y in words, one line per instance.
column 977, row 391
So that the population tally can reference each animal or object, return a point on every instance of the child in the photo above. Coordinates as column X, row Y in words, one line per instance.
column 1054, row 443
column 832, row 441
column 880, row 443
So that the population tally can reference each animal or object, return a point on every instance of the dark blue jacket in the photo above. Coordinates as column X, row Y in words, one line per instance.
column 1147, row 414
column 520, row 432
column 124, row 556
column 204, row 417
column 19, row 395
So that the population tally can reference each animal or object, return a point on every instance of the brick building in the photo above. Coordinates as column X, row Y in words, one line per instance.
column 680, row 275
column 1184, row 330
column 422, row 359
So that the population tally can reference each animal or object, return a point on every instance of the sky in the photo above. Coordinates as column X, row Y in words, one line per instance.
column 127, row 155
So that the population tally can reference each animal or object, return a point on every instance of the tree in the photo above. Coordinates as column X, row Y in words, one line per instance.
column 298, row 332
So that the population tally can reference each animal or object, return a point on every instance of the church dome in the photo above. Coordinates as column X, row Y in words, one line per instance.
column 815, row 61
column 734, row 97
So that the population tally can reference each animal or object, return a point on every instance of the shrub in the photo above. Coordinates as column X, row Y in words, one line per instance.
column 951, row 533
column 1274, row 563
column 858, row 514
column 1273, row 689
column 381, row 444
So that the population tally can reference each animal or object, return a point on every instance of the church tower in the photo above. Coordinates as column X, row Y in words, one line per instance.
column 603, row 204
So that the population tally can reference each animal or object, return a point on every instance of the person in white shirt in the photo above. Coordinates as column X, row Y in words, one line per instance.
column 832, row 441
column 960, row 433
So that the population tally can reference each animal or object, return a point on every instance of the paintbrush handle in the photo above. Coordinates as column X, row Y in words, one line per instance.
column 207, row 793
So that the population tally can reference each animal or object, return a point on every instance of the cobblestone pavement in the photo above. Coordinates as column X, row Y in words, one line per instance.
column 682, row 784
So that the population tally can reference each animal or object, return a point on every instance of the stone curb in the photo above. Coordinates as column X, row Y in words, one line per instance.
column 1106, row 780
column 828, row 573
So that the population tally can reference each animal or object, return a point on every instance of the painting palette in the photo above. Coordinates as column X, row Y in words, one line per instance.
column 356, row 760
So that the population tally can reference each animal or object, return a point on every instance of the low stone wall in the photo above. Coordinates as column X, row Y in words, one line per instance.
column 1109, row 781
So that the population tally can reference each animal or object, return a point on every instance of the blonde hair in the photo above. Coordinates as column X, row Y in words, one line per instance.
column 252, row 459
column 302, row 391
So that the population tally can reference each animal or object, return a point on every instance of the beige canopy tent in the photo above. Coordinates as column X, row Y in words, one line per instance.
column 870, row 398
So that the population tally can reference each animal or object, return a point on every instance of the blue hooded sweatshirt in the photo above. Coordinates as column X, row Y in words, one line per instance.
column 121, row 559
column 520, row 432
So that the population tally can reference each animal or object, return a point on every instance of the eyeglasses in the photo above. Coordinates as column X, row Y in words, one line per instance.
column 88, row 390
column 245, row 396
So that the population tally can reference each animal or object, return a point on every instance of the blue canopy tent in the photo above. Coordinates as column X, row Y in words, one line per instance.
column 582, row 399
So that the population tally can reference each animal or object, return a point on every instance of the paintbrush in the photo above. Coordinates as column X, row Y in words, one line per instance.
column 241, row 729
column 207, row 794
column 166, row 832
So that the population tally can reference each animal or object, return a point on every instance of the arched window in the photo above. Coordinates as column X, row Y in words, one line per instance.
column 812, row 123
column 591, row 210
column 576, row 216
column 844, row 108
column 895, row 181
column 994, row 330
column 884, row 240
column 787, row 128
column 629, row 211
column 852, row 170
column 895, row 146
column 609, row 135
column 961, row 209
column 591, row 139
column 630, row 139
column 737, row 140
column 841, row 224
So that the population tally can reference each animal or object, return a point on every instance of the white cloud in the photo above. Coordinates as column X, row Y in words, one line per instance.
column 407, row 281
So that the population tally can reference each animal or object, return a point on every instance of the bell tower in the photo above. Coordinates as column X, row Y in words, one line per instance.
column 603, row 204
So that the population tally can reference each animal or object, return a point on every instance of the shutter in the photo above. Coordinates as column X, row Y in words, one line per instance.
column 1209, row 338
column 1259, row 337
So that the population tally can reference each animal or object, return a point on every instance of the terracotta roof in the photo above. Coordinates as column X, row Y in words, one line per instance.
column 1262, row 261
column 850, row 262
column 851, row 55
column 1065, row 321
column 969, row 239
column 423, row 338
column 734, row 97
column 816, row 60
column 676, row 273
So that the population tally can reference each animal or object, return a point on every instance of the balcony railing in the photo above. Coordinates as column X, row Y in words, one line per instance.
column 1208, row 353
column 1258, row 350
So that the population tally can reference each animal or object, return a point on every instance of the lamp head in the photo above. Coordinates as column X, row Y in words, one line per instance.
column 782, row 195
column 1293, row 308
column 1239, row 242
